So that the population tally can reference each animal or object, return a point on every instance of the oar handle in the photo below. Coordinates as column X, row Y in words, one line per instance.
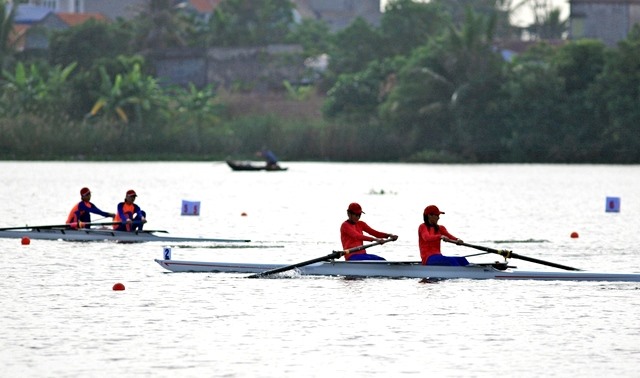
column 360, row 248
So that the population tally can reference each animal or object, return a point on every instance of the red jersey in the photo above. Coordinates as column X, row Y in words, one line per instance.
column 429, row 240
column 352, row 235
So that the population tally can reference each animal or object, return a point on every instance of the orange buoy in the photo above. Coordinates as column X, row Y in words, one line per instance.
column 118, row 287
column 574, row 235
column 25, row 240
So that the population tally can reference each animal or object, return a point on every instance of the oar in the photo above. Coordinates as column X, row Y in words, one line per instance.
column 332, row 255
column 509, row 254
column 59, row 225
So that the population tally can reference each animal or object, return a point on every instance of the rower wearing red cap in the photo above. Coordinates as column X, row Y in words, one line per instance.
column 80, row 214
column 129, row 214
column 430, row 234
column 352, row 235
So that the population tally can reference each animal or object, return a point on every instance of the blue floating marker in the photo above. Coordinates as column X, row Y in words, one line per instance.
column 613, row 205
column 190, row 208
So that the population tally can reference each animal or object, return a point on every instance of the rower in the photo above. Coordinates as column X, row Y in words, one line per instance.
column 352, row 235
column 80, row 214
column 130, row 216
column 430, row 234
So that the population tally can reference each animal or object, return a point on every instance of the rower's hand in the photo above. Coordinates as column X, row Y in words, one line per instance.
column 392, row 237
column 381, row 241
column 111, row 215
column 143, row 220
column 459, row 242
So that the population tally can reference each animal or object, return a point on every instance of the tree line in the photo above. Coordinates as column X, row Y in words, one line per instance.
column 431, row 83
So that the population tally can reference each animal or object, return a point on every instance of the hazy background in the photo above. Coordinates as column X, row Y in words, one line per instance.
column 524, row 14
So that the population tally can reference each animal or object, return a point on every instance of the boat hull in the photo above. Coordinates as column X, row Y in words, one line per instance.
column 103, row 235
column 390, row 269
column 238, row 165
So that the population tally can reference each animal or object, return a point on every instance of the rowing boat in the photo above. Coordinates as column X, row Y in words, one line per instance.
column 89, row 234
column 240, row 165
column 399, row 269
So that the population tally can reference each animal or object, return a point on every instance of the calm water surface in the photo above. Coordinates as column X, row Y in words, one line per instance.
column 61, row 317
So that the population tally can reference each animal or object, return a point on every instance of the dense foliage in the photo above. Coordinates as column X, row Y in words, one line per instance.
column 430, row 83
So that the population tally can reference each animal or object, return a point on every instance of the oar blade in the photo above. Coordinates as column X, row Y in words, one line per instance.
column 332, row 255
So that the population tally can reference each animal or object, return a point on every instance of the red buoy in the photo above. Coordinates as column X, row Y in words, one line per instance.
column 574, row 235
column 25, row 240
column 118, row 287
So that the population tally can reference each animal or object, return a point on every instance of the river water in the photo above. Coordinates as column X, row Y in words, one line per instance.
column 61, row 317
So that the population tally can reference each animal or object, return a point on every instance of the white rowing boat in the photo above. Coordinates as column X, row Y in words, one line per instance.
column 398, row 269
column 89, row 234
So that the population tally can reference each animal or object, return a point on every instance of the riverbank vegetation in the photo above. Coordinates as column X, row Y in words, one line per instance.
column 431, row 83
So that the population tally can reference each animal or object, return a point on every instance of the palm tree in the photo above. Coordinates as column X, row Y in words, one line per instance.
column 160, row 26
column 547, row 23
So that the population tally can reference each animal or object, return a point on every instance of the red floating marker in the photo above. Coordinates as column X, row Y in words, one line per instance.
column 574, row 235
column 118, row 287
column 25, row 240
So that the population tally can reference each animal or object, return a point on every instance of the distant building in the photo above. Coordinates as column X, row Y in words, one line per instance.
column 338, row 14
column 607, row 20
column 111, row 9
column 33, row 24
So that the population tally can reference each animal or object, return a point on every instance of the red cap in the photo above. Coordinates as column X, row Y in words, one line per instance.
column 131, row 193
column 432, row 209
column 84, row 192
column 355, row 208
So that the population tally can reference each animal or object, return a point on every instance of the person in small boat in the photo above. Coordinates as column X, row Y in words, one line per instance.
column 80, row 214
column 352, row 235
column 270, row 158
column 130, row 216
column 430, row 235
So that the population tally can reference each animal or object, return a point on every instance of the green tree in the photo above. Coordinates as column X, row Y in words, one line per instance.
column 35, row 90
column 7, row 17
column 407, row 24
column 548, row 25
column 447, row 94
column 534, row 109
column 313, row 35
column 251, row 23
column 616, row 99
column 89, row 42
column 354, row 48
column 499, row 10
column 195, row 118
column 130, row 98
column 159, row 25
column 357, row 96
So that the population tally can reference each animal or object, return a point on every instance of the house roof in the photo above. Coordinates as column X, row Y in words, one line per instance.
column 73, row 19
column 204, row 6
column 30, row 14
